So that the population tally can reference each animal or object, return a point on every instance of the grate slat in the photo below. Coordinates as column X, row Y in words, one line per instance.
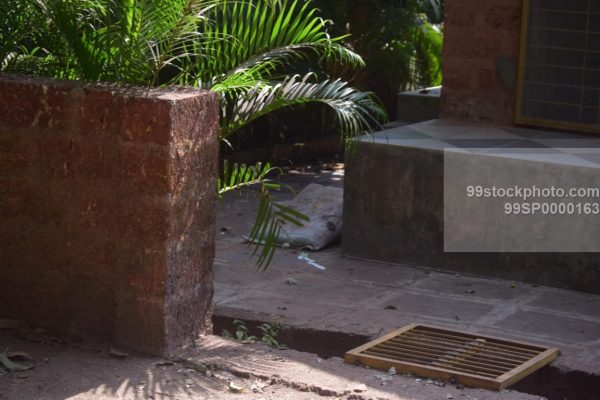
column 497, row 342
column 440, row 361
column 440, row 365
column 516, row 359
column 492, row 343
column 483, row 354
column 510, row 352
column 473, row 360
column 442, row 352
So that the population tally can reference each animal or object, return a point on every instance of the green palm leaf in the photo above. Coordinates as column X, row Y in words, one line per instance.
column 270, row 216
column 357, row 112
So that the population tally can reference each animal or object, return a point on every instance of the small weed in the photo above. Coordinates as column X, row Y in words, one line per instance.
column 269, row 334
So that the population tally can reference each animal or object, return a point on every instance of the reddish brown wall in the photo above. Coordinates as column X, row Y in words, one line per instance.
column 481, row 45
column 107, row 210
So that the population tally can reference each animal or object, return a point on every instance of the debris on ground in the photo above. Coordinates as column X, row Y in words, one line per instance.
column 291, row 281
column 324, row 206
column 9, row 363
column 384, row 378
column 233, row 388
column 117, row 353
column 310, row 261
column 258, row 386
column 19, row 356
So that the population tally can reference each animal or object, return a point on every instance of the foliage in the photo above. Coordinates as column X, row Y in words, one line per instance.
column 269, row 334
column 401, row 41
column 241, row 332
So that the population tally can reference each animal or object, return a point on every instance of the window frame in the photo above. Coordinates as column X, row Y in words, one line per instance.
column 521, row 119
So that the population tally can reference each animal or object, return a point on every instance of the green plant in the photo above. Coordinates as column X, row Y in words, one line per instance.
column 401, row 41
column 269, row 334
column 259, row 56
column 271, row 216
column 241, row 332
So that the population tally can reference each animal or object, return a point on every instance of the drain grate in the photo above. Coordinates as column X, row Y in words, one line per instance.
column 472, row 360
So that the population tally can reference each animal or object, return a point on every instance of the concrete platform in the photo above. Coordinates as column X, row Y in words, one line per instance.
column 400, row 216
column 370, row 298
column 418, row 105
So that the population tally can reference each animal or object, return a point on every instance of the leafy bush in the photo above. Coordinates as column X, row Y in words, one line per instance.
column 401, row 41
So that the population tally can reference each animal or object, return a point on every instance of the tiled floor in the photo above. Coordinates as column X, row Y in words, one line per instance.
column 557, row 147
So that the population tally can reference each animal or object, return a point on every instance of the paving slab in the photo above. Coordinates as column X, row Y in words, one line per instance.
column 355, row 296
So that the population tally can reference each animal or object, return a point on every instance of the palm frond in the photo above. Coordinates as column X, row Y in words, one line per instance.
column 267, row 227
column 238, row 176
column 243, row 34
column 357, row 111
column 270, row 217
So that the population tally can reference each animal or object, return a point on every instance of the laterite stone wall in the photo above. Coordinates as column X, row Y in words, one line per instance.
column 481, row 48
column 107, row 210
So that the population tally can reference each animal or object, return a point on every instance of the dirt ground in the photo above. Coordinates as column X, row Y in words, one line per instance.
column 89, row 372
column 215, row 368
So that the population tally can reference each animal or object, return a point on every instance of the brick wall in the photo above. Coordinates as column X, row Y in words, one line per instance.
column 107, row 210
column 481, row 45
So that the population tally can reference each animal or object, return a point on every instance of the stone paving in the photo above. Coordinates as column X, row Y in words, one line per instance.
column 368, row 298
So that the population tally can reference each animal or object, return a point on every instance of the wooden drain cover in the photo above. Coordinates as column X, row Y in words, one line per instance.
column 472, row 360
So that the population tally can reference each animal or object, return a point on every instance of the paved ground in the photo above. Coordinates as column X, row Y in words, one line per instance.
column 368, row 298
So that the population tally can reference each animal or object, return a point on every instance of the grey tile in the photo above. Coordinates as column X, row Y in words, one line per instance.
column 545, row 155
column 525, row 144
column 484, row 133
column 430, row 144
column 439, row 307
column 590, row 157
column 524, row 132
column 403, row 132
column 478, row 288
column 571, row 302
column 479, row 143
column 569, row 143
column 559, row 135
column 550, row 325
